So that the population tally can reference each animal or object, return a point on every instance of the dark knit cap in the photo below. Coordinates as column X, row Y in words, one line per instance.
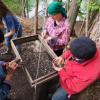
column 83, row 48
column 1, row 36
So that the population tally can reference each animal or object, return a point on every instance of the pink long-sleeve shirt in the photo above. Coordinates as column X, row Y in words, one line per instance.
column 61, row 31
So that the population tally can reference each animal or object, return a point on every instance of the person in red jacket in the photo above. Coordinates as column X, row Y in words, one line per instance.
column 81, row 68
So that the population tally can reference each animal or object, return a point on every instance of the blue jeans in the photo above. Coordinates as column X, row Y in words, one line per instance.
column 60, row 94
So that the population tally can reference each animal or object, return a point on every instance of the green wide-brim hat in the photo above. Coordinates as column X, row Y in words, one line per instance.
column 55, row 8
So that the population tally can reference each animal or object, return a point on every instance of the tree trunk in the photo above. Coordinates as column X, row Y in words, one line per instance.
column 95, row 30
column 27, row 8
column 36, row 17
column 73, row 12
column 23, row 3
column 67, row 5
column 93, row 91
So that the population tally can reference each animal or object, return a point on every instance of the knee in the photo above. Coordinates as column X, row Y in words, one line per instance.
column 54, row 97
column 57, row 96
column 60, row 94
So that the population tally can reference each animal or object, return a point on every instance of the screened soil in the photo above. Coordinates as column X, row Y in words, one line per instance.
column 37, row 63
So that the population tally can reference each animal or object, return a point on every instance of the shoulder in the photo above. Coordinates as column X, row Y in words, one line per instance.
column 67, row 23
column 8, row 16
column 50, row 19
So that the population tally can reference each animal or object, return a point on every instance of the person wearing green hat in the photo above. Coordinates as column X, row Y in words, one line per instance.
column 57, row 28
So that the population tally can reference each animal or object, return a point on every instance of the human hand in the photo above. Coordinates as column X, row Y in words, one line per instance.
column 43, row 34
column 5, row 35
column 59, row 60
column 56, row 67
column 98, row 43
column 11, row 67
column 48, row 38
column 52, row 41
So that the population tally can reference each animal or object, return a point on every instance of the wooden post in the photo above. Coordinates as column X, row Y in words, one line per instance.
column 67, row 6
column 73, row 12
column 27, row 8
column 87, row 20
column 36, row 18
column 23, row 8
column 46, row 8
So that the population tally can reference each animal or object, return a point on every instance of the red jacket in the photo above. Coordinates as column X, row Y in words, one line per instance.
column 75, row 77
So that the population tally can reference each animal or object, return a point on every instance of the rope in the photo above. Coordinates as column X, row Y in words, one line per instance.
column 37, row 72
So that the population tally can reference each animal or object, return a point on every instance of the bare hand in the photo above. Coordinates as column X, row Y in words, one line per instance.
column 43, row 34
column 11, row 67
column 59, row 60
column 56, row 68
column 98, row 43
column 48, row 38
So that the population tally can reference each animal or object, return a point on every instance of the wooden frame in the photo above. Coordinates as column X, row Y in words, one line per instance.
column 21, row 40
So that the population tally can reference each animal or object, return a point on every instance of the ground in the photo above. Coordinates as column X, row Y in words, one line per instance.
column 21, row 89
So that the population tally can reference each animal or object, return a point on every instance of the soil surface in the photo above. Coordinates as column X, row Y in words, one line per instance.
column 38, row 63
column 5, row 57
column 91, row 93
column 31, row 56
column 21, row 89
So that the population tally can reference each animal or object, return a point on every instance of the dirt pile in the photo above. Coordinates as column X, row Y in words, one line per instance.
column 28, row 24
column 91, row 93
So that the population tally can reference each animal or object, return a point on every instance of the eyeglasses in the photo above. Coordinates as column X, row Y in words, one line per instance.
column 77, row 59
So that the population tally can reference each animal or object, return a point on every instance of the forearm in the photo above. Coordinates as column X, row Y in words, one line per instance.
column 64, row 39
column 10, row 33
column 61, row 42
column 55, row 31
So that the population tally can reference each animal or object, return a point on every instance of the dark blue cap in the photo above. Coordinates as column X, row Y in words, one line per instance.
column 83, row 48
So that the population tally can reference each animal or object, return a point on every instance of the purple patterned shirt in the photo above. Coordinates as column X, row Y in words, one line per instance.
column 61, row 31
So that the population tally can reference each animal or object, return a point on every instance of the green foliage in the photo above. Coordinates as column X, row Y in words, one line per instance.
column 31, row 3
column 13, row 5
column 79, row 2
column 16, row 7
column 94, row 5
